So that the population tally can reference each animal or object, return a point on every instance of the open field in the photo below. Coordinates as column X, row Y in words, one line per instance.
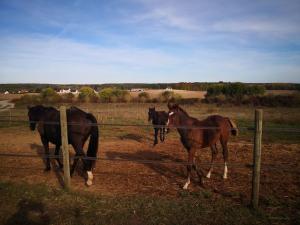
column 141, row 193
column 155, row 93
column 184, row 94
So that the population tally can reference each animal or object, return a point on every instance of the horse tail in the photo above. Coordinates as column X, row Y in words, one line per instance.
column 234, row 128
column 94, row 136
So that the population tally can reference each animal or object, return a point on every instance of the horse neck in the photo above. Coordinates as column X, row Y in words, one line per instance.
column 184, row 121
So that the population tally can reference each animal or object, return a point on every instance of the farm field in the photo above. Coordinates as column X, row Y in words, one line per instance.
column 134, row 184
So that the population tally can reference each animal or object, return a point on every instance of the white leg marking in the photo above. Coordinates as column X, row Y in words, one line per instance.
column 225, row 171
column 187, row 184
column 209, row 173
column 89, row 181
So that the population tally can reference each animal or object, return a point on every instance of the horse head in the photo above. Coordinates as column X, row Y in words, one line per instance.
column 34, row 114
column 151, row 113
column 173, row 115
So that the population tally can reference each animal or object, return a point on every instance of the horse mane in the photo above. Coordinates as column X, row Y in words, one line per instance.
column 182, row 110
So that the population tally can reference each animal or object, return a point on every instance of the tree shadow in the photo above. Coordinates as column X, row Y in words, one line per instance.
column 29, row 212
column 57, row 170
column 145, row 156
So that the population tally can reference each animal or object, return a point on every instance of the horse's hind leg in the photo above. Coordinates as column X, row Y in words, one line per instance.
column 162, row 134
column 155, row 136
column 214, row 152
column 46, row 147
column 79, row 152
column 225, row 156
column 57, row 148
column 198, row 171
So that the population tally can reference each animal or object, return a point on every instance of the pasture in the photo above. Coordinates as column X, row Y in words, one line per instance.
column 128, row 190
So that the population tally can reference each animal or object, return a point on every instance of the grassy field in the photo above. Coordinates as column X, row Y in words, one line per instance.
column 137, row 193
column 39, row 204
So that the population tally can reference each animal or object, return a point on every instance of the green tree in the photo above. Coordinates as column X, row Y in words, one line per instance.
column 87, row 94
column 49, row 95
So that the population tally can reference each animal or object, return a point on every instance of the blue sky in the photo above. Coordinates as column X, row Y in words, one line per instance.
column 149, row 41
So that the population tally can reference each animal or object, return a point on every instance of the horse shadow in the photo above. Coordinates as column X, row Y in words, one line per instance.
column 134, row 137
column 57, row 170
column 29, row 212
column 145, row 156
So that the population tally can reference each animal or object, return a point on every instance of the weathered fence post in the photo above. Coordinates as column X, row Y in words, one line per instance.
column 256, row 158
column 65, row 147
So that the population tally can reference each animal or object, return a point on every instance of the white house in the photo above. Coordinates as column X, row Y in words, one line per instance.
column 169, row 89
column 6, row 92
column 63, row 91
column 136, row 90
column 75, row 92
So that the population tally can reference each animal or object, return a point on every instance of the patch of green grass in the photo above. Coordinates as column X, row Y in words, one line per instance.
column 38, row 204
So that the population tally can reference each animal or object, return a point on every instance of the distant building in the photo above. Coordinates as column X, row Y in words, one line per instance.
column 136, row 90
column 75, row 92
column 169, row 89
column 22, row 91
column 6, row 92
column 63, row 91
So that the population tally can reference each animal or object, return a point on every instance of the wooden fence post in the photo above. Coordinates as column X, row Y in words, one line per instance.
column 10, row 117
column 65, row 147
column 256, row 158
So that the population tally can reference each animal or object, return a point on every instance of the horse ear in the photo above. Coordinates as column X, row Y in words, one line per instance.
column 170, row 105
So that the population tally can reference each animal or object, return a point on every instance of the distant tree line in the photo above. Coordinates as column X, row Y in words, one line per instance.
column 192, row 86
column 235, row 90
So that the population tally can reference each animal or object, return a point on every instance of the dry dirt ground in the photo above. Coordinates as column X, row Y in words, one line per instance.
column 279, row 179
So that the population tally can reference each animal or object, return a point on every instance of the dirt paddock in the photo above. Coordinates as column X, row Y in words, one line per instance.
column 279, row 178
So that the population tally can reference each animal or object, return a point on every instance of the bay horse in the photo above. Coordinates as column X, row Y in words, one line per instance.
column 196, row 134
column 80, row 126
column 158, row 118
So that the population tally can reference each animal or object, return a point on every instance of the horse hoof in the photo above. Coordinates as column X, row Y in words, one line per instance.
column 89, row 183
column 47, row 169
column 225, row 177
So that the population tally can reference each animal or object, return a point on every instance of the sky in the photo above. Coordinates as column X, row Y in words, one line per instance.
column 136, row 41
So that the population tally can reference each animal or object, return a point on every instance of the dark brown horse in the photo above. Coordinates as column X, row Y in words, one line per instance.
column 196, row 134
column 81, row 125
column 158, row 118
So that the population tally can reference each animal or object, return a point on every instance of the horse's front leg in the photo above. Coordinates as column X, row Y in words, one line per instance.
column 46, row 147
column 189, row 167
column 57, row 148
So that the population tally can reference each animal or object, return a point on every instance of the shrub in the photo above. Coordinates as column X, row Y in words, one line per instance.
column 144, row 97
column 69, row 97
column 169, row 96
column 48, row 95
column 87, row 94
column 114, row 95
